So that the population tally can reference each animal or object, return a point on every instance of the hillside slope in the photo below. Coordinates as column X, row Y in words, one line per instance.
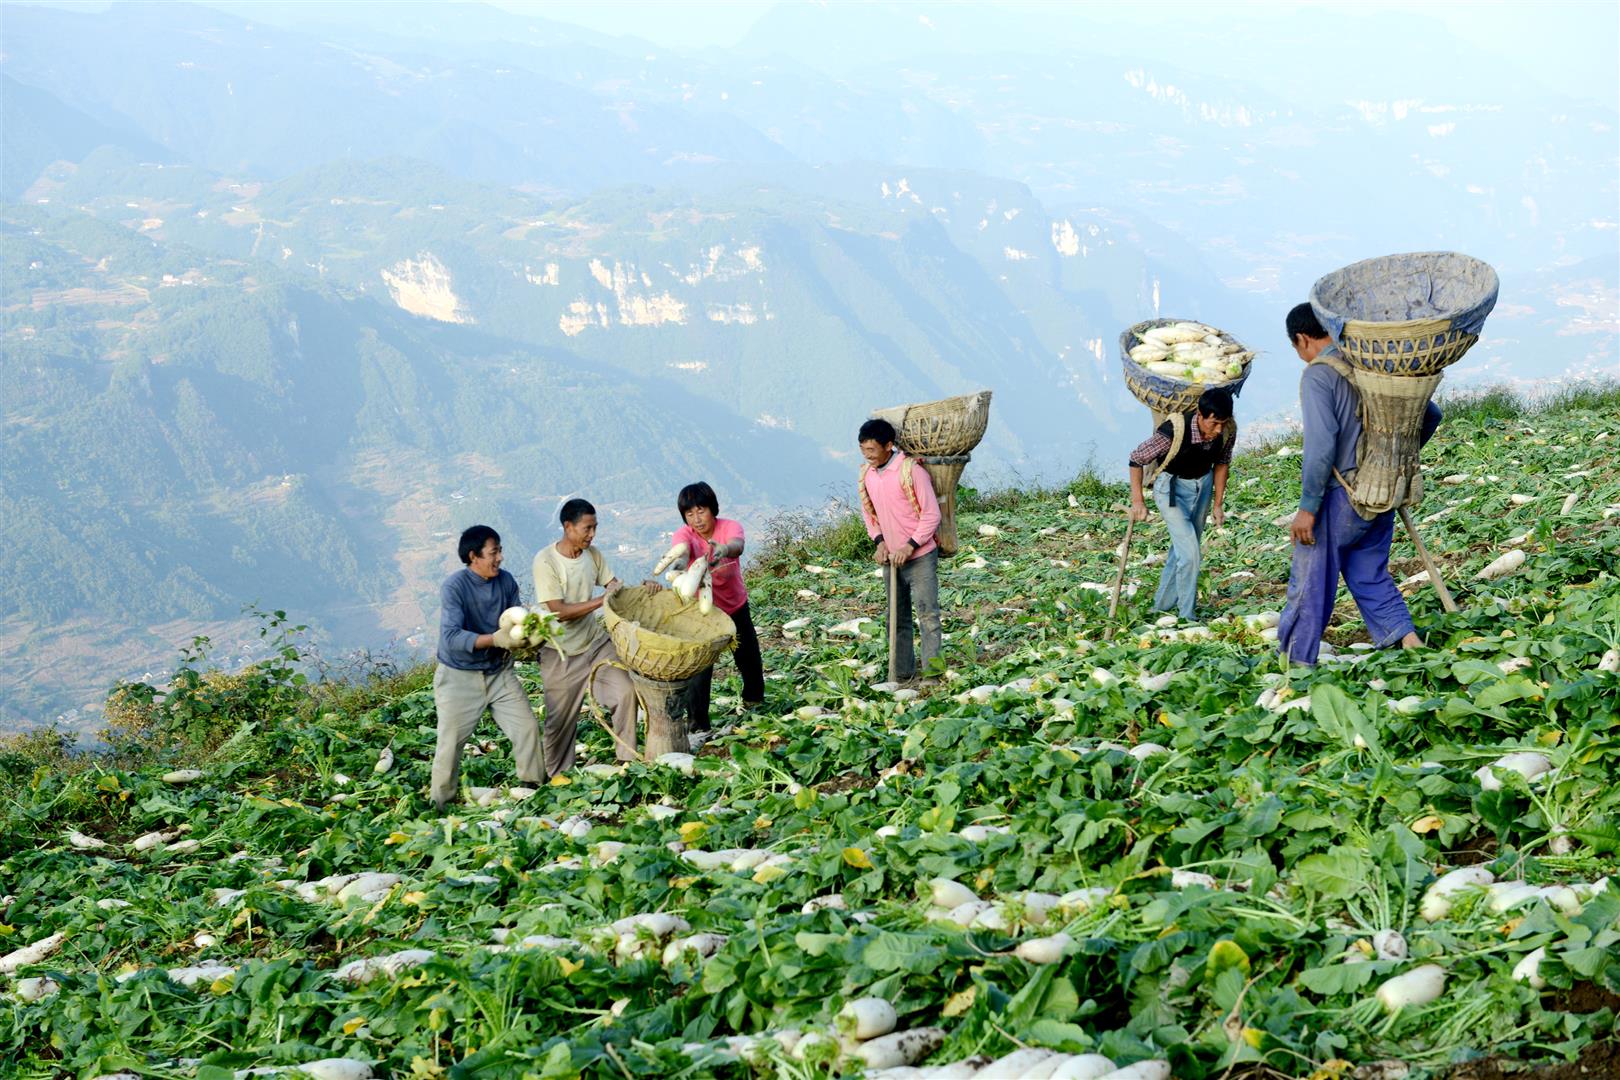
column 1027, row 776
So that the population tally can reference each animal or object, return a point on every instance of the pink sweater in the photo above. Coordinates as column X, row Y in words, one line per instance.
column 730, row 594
column 897, row 521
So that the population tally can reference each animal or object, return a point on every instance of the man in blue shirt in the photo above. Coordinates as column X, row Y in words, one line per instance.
column 1330, row 538
column 472, row 674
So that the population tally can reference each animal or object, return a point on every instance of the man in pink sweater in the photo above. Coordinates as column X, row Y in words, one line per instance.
column 902, row 515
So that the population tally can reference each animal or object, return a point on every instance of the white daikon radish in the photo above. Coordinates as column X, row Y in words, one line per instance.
column 949, row 894
column 389, row 966
column 1419, row 986
column 182, row 776
column 1503, row 566
column 85, row 843
column 37, row 953
column 1439, row 897
column 867, row 1018
column 672, row 556
column 1183, row 879
column 1527, row 763
column 900, row 1048
column 385, row 761
column 513, row 616
column 1045, row 950
column 1018, row 1063
column 1569, row 503
column 1083, row 1067
column 1528, row 970
column 1389, row 945
column 1142, row 1070
column 687, row 585
column 336, row 1069
column 1610, row 661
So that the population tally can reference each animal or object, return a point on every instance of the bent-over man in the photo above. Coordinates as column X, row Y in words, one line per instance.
column 1194, row 454
column 472, row 674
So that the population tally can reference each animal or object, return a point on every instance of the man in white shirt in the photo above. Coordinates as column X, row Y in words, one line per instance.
column 565, row 576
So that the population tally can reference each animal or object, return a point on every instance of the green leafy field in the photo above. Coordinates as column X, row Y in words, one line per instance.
column 1320, row 804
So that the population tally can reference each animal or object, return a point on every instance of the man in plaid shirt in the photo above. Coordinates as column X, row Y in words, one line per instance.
column 1193, row 452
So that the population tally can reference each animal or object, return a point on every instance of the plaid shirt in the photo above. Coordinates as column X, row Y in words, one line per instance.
column 1154, row 448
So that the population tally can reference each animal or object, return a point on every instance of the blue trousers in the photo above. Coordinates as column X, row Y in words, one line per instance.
column 1183, row 504
column 1346, row 544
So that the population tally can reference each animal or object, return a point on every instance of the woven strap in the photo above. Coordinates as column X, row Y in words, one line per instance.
column 600, row 714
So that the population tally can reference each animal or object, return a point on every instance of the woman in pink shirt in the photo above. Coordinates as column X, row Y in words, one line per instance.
column 708, row 535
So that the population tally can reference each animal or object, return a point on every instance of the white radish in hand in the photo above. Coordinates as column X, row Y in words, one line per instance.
column 672, row 556
column 512, row 616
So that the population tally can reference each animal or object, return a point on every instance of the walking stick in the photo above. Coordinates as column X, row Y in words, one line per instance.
column 1119, row 579
column 1124, row 556
column 1446, row 602
column 894, row 620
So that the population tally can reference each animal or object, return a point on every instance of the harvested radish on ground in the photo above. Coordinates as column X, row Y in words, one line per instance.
column 37, row 953
column 1503, row 566
column 1045, row 950
column 1439, row 897
column 1419, row 986
column 867, row 1018
column 1527, row 763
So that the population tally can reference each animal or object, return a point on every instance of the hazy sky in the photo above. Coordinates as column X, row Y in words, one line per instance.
column 1570, row 45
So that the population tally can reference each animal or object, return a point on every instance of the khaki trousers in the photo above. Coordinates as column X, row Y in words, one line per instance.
column 461, row 698
column 564, row 679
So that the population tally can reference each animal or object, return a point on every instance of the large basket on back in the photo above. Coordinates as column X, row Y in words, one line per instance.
column 1399, row 322
column 660, row 636
column 1161, row 393
column 941, row 436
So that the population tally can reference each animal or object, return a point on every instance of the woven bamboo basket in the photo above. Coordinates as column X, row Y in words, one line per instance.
column 1161, row 393
column 940, row 436
column 660, row 636
column 1399, row 322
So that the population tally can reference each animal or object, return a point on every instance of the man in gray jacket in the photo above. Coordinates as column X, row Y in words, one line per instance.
column 472, row 674
column 1330, row 539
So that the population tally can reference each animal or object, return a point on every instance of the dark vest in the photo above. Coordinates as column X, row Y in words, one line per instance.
column 1186, row 459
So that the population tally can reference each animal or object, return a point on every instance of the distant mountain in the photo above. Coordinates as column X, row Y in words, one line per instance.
column 185, row 434
column 40, row 130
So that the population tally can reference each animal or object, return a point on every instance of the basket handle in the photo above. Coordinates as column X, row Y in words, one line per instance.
column 596, row 707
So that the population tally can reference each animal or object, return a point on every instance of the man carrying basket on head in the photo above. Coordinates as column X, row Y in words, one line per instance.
column 902, row 515
column 1193, row 452
column 1330, row 537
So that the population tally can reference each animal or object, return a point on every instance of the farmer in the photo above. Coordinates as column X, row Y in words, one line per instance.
column 720, row 540
column 565, row 576
column 1330, row 537
column 472, row 674
column 902, row 515
column 1194, row 454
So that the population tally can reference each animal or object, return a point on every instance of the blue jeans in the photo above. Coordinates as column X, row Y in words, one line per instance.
column 1347, row 544
column 1183, row 504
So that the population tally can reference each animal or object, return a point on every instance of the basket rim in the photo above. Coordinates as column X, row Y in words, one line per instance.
column 1136, row 373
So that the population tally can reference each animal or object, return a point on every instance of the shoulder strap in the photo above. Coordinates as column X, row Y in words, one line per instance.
column 866, row 497
column 907, row 484
column 1338, row 364
column 1178, row 439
